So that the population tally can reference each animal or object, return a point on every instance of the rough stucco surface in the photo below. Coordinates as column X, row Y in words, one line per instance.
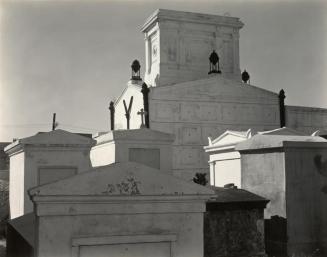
column 306, row 119
column 234, row 233
column 263, row 174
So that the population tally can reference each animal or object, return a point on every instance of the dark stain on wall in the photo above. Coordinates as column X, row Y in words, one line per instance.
column 321, row 166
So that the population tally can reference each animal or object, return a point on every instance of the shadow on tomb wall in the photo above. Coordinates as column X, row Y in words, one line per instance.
column 276, row 236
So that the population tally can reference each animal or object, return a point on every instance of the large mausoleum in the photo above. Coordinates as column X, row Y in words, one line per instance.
column 193, row 88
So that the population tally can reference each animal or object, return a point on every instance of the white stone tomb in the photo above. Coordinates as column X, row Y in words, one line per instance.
column 224, row 160
column 124, row 209
column 146, row 146
column 43, row 158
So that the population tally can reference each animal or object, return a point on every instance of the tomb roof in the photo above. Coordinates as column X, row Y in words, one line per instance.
column 56, row 137
column 143, row 135
column 116, row 180
column 262, row 141
column 227, row 195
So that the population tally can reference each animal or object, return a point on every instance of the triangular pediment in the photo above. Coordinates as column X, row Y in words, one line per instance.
column 121, row 179
column 215, row 87
column 231, row 137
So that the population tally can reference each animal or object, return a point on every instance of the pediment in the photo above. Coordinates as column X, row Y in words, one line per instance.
column 56, row 137
column 121, row 179
column 215, row 87
column 230, row 137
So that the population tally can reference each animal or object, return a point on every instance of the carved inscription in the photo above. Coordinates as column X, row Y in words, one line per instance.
column 129, row 186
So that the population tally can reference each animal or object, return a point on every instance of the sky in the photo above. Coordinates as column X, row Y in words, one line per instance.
column 73, row 57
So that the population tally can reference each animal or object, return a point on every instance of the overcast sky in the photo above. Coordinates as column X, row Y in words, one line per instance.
column 72, row 58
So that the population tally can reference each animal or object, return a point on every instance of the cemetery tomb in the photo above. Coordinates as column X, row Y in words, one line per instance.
column 290, row 171
column 43, row 158
column 123, row 209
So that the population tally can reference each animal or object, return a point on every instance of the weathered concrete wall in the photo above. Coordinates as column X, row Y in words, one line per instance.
column 306, row 196
column 123, row 209
column 55, row 233
column 234, row 233
column 196, row 110
column 264, row 174
column 57, row 159
column 306, row 119
column 43, row 158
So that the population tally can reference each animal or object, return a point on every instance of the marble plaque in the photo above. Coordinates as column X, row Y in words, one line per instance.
column 149, row 157
column 49, row 174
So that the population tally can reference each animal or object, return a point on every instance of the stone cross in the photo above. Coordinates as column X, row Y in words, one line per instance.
column 142, row 113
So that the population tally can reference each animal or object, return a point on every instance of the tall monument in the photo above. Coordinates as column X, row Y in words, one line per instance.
column 178, row 44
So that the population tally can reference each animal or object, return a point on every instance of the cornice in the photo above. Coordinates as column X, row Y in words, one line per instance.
column 163, row 14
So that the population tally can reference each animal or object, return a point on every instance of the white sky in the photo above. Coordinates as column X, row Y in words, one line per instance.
column 72, row 58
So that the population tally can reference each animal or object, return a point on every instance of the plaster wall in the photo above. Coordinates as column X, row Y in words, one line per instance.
column 16, row 184
column 47, row 158
column 56, row 232
column 120, row 118
column 263, row 173
column 306, row 196
column 306, row 119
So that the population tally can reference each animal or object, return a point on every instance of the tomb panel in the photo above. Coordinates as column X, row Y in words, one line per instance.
column 191, row 135
column 230, row 113
column 209, row 112
column 190, row 111
column 197, row 50
column 146, row 156
column 50, row 174
column 166, row 111
column 270, row 115
column 250, row 113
